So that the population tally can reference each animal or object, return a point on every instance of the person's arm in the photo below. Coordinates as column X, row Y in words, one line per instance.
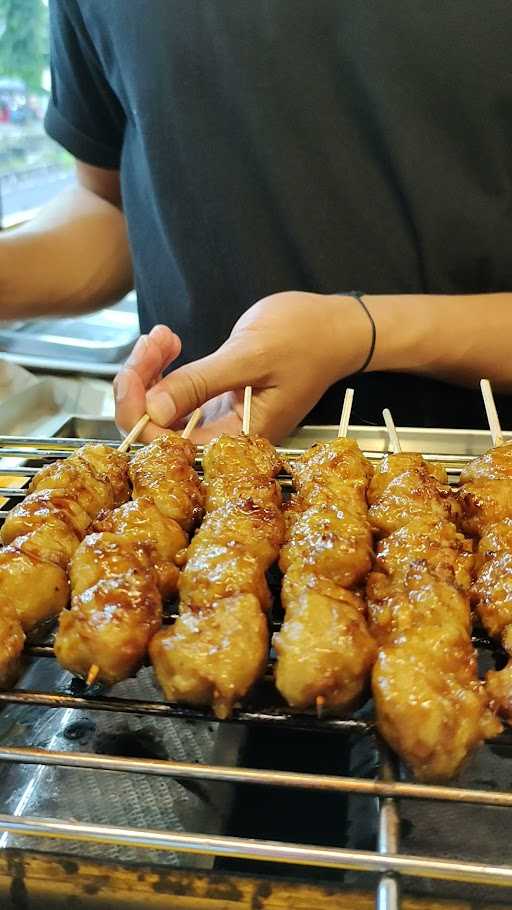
column 291, row 347
column 456, row 338
column 73, row 256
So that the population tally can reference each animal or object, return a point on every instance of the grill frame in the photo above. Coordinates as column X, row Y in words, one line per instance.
column 386, row 859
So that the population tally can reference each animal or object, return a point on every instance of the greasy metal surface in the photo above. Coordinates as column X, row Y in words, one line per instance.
column 92, row 796
column 271, row 851
column 32, row 881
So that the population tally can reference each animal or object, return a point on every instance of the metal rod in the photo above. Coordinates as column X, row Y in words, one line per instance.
column 70, row 442
column 273, row 851
column 39, row 651
column 18, row 472
column 31, row 453
column 24, row 447
column 291, row 779
column 266, row 716
column 388, row 839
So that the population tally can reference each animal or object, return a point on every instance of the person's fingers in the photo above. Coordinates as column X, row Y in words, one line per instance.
column 231, row 367
column 130, row 398
column 153, row 353
column 150, row 356
column 168, row 342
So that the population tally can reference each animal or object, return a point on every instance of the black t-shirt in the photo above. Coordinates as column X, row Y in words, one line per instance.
column 319, row 145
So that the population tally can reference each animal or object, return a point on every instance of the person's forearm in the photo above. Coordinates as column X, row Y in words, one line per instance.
column 72, row 258
column 457, row 338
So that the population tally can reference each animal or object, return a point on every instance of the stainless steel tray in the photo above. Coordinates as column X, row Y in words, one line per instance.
column 453, row 445
column 103, row 337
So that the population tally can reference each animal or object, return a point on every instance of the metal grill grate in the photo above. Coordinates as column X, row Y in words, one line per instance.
column 22, row 458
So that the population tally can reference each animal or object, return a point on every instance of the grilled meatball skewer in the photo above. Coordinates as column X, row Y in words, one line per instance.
column 40, row 536
column 218, row 647
column 120, row 573
column 430, row 704
column 325, row 651
column 486, row 498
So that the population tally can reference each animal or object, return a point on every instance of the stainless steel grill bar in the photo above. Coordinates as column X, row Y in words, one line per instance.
column 19, row 472
column 387, row 789
column 33, row 453
column 23, row 447
column 53, row 442
column 273, row 851
column 159, row 709
column 388, row 839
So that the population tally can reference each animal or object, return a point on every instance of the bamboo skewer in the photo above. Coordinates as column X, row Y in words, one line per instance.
column 92, row 674
column 192, row 423
column 394, row 441
column 246, row 419
column 345, row 413
column 320, row 702
column 134, row 434
column 492, row 414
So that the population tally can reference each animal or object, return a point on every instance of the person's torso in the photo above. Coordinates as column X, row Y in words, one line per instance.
column 288, row 144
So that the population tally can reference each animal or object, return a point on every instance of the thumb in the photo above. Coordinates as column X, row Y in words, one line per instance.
column 189, row 387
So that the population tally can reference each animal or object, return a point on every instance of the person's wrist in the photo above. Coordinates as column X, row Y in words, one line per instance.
column 348, row 331
column 404, row 331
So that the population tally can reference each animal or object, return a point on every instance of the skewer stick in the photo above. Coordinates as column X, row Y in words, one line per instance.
column 134, row 434
column 394, row 441
column 345, row 413
column 92, row 674
column 320, row 702
column 192, row 423
column 492, row 414
column 246, row 420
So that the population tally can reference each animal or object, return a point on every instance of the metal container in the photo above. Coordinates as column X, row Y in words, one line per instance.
column 95, row 343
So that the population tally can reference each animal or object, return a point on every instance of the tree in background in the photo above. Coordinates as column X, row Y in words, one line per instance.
column 24, row 41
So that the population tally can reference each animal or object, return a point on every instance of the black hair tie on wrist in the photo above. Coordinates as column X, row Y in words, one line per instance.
column 357, row 295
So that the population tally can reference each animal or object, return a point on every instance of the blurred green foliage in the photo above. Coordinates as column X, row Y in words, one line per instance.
column 24, row 40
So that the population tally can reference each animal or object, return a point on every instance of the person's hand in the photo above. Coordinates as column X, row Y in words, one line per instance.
column 289, row 347
column 151, row 355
